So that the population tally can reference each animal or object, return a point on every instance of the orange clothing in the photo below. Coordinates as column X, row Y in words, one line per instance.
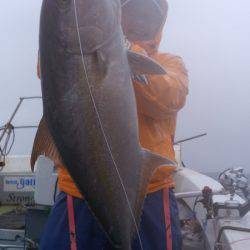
column 157, row 104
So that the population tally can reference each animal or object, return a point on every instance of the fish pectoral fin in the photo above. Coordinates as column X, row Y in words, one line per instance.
column 140, row 78
column 44, row 145
column 152, row 161
column 141, row 64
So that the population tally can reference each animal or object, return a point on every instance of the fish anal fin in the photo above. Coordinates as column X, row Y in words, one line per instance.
column 144, row 65
column 44, row 145
column 152, row 161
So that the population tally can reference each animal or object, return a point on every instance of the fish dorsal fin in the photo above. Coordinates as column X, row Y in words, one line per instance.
column 44, row 145
column 143, row 65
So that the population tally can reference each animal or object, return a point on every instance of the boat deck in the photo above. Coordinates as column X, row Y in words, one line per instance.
column 12, row 217
column 21, row 227
column 12, row 227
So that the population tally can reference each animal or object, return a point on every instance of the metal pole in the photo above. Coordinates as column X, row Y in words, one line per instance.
column 190, row 138
column 11, row 118
column 25, row 127
column 30, row 97
column 197, row 193
column 15, row 111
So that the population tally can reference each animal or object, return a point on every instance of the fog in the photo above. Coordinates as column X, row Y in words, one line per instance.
column 213, row 39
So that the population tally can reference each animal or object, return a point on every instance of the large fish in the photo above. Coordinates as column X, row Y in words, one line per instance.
column 90, row 111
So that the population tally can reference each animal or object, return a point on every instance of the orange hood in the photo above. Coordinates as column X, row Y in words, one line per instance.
column 142, row 20
column 152, row 46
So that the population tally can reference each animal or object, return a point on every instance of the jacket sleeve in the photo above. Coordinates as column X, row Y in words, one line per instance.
column 165, row 94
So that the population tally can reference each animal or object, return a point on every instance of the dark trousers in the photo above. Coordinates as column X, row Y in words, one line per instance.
column 91, row 237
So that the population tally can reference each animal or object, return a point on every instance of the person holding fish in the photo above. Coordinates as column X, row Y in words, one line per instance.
column 72, row 224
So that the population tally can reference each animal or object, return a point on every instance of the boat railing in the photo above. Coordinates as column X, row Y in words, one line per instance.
column 7, row 131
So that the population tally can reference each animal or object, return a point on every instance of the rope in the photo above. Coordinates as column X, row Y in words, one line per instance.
column 101, row 126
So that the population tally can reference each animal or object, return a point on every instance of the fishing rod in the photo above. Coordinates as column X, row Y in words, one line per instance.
column 22, row 127
column 190, row 138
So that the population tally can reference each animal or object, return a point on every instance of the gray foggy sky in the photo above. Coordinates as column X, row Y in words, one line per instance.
column 211, row 36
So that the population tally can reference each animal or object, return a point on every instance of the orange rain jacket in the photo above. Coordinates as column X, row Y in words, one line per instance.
column 157, row 105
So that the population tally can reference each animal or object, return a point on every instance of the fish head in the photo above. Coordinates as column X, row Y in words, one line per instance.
column 93, row 21
column 143, row 19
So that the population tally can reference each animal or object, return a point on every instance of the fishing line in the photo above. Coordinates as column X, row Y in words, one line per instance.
column 100, row 122
column 125, row 3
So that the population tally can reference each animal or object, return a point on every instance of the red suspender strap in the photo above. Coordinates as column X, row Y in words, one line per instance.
column 166, row 205
column 72, row 226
